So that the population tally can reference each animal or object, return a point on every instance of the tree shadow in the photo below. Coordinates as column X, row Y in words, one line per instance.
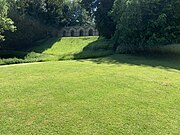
column 99, row 48
column 43, row 45
column 39, row 47
column 102, row 51
column 163, row 61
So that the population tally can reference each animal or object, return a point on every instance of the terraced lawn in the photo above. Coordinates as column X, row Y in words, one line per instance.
column 119, row 94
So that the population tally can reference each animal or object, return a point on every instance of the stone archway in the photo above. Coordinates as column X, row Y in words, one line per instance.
column 72, row 33
column 64, row 33
column 81, row 33
column 75, row 31
column 90, row 32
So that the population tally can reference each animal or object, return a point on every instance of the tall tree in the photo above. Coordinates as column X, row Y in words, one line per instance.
column 75, row 14
column 100, row 10
column 5, row 22
column 47, row 11
column 146, row 23
column 35, row 20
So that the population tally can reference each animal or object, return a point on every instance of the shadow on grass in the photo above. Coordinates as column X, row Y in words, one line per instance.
column 40, row 46
column 43, row 45
column 165, row 62
column 102, row 50
column 99, row 48
column 11, row 54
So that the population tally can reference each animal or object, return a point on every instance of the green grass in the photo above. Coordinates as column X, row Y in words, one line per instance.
column 69, row 48
column 54, row 49
column 120, row 94
column 70, row 45
column 75, row 47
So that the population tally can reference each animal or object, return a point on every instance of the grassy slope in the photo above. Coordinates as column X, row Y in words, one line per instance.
column 65, row 48
column 54, row 49
column 73, row 45
column 70, row 45
column 115, row 95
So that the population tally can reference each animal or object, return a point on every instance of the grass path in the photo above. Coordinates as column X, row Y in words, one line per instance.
column 90, row 97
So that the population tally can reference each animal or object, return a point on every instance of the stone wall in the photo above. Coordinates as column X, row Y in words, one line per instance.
column 76, row 31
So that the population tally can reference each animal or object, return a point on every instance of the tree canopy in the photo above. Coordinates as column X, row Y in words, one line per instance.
column 132, row 24
column 100, row 10
column 5, row 22
column 39, row 19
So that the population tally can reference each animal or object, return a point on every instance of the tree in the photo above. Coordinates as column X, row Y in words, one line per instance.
column 5, row 22
column 33, row 20
column 48, row 12
column 100, row 10
column 143, row 24
column 75, row 14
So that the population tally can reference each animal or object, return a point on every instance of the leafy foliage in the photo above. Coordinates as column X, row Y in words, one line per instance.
column 143, row 24
column 40, row 19
column 100, row 10
column 74, row 14
column 5, row 22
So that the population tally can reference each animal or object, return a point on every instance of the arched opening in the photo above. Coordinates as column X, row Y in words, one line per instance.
column 81, row 33
column 90, row 32
column 64, row 33
column 72, row 33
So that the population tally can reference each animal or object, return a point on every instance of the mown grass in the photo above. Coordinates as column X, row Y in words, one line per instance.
column 72, row 47
column 120, row 94
column 69, row 48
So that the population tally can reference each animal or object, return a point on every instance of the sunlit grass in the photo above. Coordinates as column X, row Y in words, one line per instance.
column 114, row 95
column 74, row 48
column 70, row 45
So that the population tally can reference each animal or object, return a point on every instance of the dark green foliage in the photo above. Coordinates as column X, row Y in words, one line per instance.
column 28, row 31
column 35, row 20
column 74, row 14
column 17, row 61
column 100, row 10
column 135, row 25
column 11, row 61
column 104, row 22
column 5, row 22
column 12, row 54
column 40, row 19
column 144, row 24
column 46, row 11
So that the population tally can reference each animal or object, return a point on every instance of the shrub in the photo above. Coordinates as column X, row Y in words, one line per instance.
column 36, row 57
column 11, row 61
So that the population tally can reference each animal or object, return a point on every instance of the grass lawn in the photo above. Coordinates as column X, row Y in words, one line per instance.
column 69, row 48
column 72, row 46
column 54, row 49
column 119, row 94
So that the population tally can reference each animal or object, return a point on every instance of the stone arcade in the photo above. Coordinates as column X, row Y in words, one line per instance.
column 75, row 31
